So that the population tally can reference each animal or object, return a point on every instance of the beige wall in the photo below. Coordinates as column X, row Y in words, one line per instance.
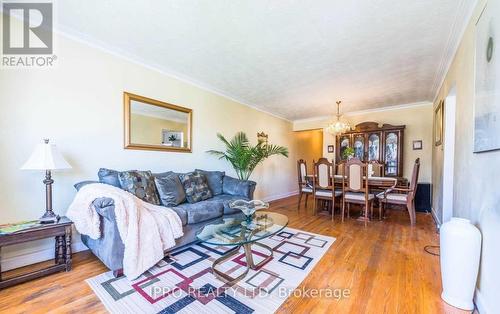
column 418, row 121
column 309, row 146
column 148, row 130
column 79, row 105
column 476, row 193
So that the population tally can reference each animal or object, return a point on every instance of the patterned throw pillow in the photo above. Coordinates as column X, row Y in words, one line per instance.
column 196, row 187
column 214, row 180
column 141, row 184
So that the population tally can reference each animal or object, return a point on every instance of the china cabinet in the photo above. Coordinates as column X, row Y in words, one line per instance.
column 373, row 142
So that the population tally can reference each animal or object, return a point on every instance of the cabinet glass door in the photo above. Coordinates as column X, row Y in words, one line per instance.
column 359, row 146
column 391, row 154
column 374, row 146
column 344, row 143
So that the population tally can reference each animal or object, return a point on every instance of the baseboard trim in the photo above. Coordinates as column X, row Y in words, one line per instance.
column 480, row 304
column 280, row 196
column 29, row 258
column 436, row 219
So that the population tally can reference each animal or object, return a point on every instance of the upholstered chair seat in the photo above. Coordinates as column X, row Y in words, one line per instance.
column 328, row 193
column 358, row 196
column 394, row 197
column 307, row 190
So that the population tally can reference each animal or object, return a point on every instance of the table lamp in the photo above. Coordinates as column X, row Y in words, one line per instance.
column 46, row 157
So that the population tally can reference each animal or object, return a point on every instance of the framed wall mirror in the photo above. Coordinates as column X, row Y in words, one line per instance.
column 155, row 125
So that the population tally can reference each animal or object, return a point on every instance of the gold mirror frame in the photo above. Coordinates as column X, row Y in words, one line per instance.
column 127, row 98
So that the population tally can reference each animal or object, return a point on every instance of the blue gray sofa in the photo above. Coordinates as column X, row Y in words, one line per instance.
column 194, row 216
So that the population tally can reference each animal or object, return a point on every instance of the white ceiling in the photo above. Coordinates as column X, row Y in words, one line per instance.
column 290, row 58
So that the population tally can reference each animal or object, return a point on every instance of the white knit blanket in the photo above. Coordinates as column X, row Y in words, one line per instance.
column 146, row 230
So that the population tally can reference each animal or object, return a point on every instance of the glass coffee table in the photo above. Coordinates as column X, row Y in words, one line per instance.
column 242, row 232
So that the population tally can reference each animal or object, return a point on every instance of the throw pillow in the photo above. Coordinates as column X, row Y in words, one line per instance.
column 233, row 186
column 109, row 176
column 214, row 180
column 196, row 187
column 170, row 190
column 141, row 184
column 162, row 174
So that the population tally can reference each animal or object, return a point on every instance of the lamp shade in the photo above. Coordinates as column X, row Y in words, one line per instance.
column 45, row 157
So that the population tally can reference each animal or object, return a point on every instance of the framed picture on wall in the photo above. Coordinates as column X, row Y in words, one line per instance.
column 487, row 85
column 438, row 124
column 331, row 148
column 417, row 145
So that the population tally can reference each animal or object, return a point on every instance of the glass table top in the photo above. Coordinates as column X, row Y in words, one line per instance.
column 240, row 230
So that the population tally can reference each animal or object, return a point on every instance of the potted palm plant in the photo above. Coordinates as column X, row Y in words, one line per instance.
column 243, row 156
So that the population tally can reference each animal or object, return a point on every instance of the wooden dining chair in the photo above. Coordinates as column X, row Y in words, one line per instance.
column 377, row 167
column 339, row 168
column 323, row 187
column 305, row 188
column 405, row 196
column 378, row 171
column 355, row 187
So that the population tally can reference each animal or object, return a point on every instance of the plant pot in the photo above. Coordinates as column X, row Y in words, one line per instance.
column 460, row 252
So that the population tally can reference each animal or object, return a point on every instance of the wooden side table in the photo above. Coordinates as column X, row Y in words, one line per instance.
column 61, row 230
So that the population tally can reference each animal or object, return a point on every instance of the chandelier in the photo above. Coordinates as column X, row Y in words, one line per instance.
column 338, row 126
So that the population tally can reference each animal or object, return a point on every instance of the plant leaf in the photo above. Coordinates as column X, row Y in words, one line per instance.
column 245, row 157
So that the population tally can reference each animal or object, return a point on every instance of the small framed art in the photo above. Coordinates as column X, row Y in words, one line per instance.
column 417, row 145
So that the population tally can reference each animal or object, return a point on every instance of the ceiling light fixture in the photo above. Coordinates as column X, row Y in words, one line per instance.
column 339, row 126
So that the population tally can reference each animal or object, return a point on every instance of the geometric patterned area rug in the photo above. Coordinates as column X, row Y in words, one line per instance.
column 183, row 281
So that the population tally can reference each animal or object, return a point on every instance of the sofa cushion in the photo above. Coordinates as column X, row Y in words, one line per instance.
column 196, row 187
column 214, row 180
column 170, row 190
column 165, row 174
column 109, row 176
column 225, row 199
column 162, row 174
column 141, row 184
column 202, row 211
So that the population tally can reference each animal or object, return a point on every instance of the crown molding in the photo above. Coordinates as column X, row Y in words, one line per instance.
column 460, row 22
column 366, row 111
column 99, row 45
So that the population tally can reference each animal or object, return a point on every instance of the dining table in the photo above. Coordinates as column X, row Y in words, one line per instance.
column 376, row 183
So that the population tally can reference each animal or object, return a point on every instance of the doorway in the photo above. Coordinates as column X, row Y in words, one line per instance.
column 310, row 146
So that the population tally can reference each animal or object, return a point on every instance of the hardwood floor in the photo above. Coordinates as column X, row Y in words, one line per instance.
column 383, row 264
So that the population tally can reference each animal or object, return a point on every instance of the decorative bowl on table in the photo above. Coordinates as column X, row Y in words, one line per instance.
column 249, row 207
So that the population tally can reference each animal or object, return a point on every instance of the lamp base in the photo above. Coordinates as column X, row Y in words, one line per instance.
column 49, row 217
